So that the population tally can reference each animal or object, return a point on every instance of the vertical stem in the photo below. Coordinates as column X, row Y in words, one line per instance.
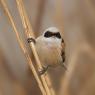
column 29, row 32
column 23, row 48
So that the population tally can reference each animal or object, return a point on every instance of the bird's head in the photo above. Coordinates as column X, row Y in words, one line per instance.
column 52, row 32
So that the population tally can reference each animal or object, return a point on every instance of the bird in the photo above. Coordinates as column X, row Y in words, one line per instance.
column 50, row 47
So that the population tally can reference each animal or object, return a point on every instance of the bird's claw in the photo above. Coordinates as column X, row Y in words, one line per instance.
column 31, row 40
column 43, row 70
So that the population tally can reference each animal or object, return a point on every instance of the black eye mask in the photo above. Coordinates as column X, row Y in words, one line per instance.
column 49, row 34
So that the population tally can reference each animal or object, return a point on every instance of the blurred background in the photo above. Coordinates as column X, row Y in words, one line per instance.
column 76, row 21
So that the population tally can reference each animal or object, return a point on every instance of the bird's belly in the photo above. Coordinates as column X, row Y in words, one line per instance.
column 50, row 55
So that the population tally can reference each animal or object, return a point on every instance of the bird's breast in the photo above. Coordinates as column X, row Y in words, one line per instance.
column 49, row 53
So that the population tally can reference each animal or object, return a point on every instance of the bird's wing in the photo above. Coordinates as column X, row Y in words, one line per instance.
column 63, row 50
column 63, row 53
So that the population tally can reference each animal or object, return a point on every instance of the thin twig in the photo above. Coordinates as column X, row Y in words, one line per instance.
column 23, row 48
column 50, row 85
column 29, row 32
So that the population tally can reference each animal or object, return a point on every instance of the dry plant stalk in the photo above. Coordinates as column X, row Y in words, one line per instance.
column 23, row 48
column 26, row 25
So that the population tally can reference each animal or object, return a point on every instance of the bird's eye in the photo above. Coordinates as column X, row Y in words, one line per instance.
column 48, row 34
column 58, row 35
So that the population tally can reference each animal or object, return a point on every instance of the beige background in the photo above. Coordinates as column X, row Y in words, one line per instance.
column 76, row 21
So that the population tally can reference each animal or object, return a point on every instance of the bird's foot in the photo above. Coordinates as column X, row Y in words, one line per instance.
column 43, row 70
column 31, row 40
